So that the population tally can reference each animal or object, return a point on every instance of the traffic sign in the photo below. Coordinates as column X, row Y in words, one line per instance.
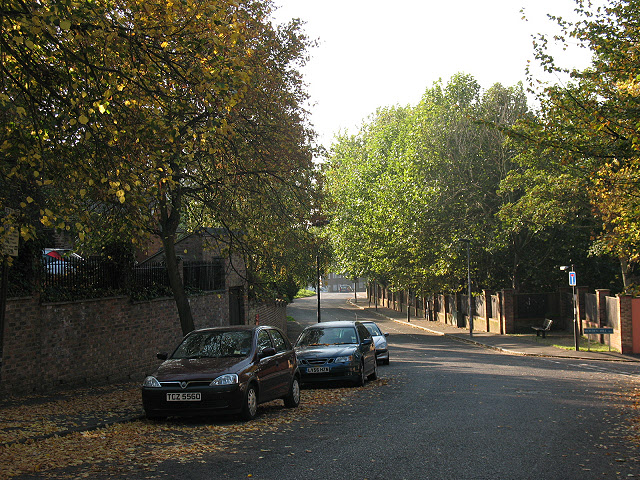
column 572, row 279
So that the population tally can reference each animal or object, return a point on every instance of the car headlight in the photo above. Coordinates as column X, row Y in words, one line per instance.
column 151, row 382
column 228, row 379
column 347, row 359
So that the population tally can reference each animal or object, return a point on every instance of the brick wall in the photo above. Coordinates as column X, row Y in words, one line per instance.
column 273, row 314
column 47, row 346
column 50, row 346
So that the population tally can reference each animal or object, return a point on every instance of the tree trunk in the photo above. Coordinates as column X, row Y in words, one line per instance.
column 629, row 275
column 169, row 221
column 180, row 297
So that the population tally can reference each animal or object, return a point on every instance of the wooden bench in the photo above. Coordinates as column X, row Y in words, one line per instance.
column 546, row 326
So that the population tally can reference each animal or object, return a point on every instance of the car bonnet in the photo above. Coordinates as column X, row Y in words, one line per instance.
column 190, row 368
column 325, row 350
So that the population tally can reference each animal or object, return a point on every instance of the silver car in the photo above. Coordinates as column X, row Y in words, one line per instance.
column 380, row 340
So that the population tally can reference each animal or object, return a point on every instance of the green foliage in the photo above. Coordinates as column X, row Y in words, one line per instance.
column 303, row 292
column 416, row 180
column 125, row 119
column 581, row 153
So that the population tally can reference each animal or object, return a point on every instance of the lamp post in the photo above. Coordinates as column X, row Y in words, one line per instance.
column 469, row 312
column 318, row 283
column 572, row 284
column 320, row 222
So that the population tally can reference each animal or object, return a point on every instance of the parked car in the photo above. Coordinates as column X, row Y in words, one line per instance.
column 59, row 261
column 223, row 370
column 331, row 351
column 380, row 340
column 345, row 288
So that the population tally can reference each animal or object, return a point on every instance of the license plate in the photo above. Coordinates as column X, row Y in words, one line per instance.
column 317, row 369
column 183, row 397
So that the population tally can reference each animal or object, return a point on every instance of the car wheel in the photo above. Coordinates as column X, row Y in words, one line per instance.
column 292, row 399
column 250, row 407
column 374, row 374
column 361, row 378
column 385, row 361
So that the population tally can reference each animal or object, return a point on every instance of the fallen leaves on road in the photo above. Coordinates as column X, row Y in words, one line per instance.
column 35, row 417
column 27, row 445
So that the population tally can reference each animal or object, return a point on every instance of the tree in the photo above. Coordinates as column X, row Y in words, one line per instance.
column 128, row 115
column 588, row 130
column 418, row 179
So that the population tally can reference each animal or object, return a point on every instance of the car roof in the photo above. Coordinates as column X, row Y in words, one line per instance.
column 226, row 328
column 339, row 323
column 231, row 328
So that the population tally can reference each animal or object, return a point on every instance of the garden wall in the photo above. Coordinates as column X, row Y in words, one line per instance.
column 52, row 345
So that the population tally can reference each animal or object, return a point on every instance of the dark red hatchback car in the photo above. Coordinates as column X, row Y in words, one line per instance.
column 223, row 370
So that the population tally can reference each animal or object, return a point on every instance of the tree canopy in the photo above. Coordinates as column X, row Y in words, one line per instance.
column 123, row 119
column 581, row 150
column 417, row 180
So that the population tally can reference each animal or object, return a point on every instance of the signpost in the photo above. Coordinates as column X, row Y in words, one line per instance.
column 598, row 331
column 572, row 284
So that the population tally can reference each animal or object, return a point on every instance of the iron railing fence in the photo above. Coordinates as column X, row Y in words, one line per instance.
column 95, row 277
column 150, row 275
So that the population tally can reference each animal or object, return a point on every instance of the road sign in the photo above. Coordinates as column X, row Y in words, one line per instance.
column 572, row 279
column 598, row 331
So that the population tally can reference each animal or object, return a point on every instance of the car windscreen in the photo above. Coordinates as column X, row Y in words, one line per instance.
column 373, row 329
column 327, row 336
column 214, row 345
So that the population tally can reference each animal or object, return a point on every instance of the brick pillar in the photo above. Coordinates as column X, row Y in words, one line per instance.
column 626, row 323
column 456, row 310
column 486, row 295
column 507, row 313
column 601, row 302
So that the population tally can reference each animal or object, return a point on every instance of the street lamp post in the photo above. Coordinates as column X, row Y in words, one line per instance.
column 572, row 283
column 469, row 312
column 321, row 222
column 318, row 283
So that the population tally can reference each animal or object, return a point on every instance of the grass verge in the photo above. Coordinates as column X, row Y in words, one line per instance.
column 303, row 292
column 567, row 342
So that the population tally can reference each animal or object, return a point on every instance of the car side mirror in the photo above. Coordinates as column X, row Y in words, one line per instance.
column 386, row 334
column 367, row 341
column 162, row 355
column 267, row 352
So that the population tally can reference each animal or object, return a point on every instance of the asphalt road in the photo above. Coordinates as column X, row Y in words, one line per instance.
column 448, row 410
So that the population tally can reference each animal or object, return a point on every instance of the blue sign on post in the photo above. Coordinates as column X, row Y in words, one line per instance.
column 572, row 279
column 598, row 331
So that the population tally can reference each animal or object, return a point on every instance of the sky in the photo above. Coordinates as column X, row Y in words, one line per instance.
column 376, row 53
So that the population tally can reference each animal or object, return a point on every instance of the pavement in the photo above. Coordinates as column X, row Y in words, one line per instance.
column 527, row 345
column 28, row 418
